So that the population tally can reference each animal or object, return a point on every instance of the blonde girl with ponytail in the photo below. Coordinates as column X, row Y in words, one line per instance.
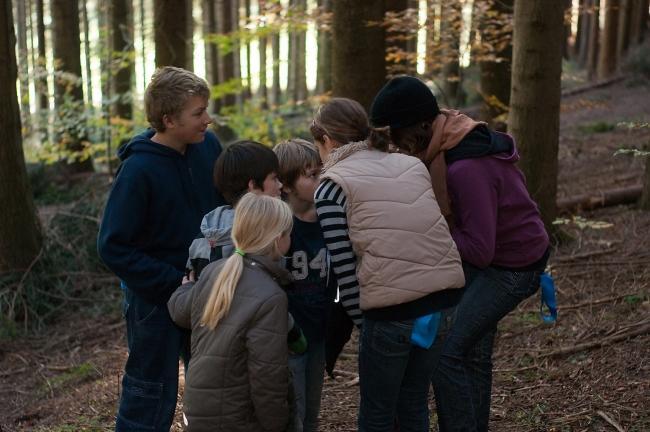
column 237, row 378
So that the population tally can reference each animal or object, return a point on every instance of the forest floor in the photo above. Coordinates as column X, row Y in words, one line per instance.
column 588, row 372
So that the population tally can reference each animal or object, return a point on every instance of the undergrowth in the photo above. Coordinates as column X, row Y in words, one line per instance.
column 67, row 273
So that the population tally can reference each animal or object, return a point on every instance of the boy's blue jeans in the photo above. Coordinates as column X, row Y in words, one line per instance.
column 307, row 372
column 150, row 383
column 394, row 377
column 462, row 382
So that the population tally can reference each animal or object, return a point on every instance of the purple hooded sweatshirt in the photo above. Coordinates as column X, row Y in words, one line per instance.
column 497, row 222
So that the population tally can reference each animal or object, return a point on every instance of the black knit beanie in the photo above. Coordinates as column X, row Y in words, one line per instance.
column 402, row 102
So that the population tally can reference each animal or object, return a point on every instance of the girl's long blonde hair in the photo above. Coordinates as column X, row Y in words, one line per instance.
column 259, row 221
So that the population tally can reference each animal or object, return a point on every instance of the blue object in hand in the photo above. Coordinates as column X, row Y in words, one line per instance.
column 425, row 329
column 548, row 298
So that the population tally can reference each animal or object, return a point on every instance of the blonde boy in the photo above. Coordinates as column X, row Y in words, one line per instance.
column 162, row 190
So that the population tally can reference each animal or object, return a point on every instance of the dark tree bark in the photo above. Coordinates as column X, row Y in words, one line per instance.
column 20, row 238
column 586, row 16
column 41, row 83
column 450, row 29
column 639, row 21
column 67, row 89
column 358, row 61
column 297, row 86
column 431, row 66
column 212, row 58
column 608, row 62
column 324, row 73
column 247, row 86
column 172, row 33
column 566, row 51
column 624, row 20
column 123, row 46
column 594, row 39
column 534, row 118
column 263, row 44
column 225, row 26
column 496, row 69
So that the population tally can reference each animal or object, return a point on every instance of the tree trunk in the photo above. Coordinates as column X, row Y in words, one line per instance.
column 225, row 26
column 586, row 16
column 624, row 20
column 645, row 196
column 324, row 72
column 534, row 118
column 173, row 33
column 123, row 46
column 67, row 90
column 20, row 237
column 297, row 53
column 358, row 61
column 450, row 29
column 247, row 87
column 212, row 58
column 496, row 69
column 23, row 62
column 608, row 62
column 263, row 44
column 431, row 66
column 276, row 91
column 638, row 21
column 594, row 40
column 89, row 81
column 41, row 84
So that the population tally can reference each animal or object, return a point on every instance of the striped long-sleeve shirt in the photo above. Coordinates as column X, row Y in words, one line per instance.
column 330, row 207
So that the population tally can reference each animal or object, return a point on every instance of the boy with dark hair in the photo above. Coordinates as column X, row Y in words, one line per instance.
column 161, row 191
column 313, row 290
column 245, row 166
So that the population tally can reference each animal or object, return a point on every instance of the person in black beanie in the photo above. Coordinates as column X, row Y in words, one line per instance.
column 495, row 224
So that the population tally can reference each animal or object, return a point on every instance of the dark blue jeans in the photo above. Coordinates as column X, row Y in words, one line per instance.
column 394, row 378
column 462, row 382
column 150, row 383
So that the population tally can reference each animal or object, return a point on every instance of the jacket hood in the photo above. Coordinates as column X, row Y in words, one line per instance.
column 143, row 143
column 503, row 140
column 216, row 226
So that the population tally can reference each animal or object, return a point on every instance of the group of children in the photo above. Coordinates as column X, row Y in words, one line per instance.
column 292, row 235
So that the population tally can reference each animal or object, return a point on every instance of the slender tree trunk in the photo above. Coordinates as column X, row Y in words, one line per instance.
column 297, row 53
column 534, row 118
column 575, row 53
column 324, row 73
column 173, row 33
column 586, row 16
column 236, row 50
column 247, row 87
column 608, row 62
column 20, row 237
column 496, row 73
column 263, row 44
column 212, row 58
column 89, row 81
column 225, row 26
column 358, row 62
column 41, row 83
column 638, row 21
column 276, row 90
column 623, row 38
column 23, row 62
column 143, row 42
column 69, row 93
column 123, row 46
column 594, row 40
column 450, row 30
column 431, row 66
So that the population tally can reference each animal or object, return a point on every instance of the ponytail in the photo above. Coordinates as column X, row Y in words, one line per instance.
column 379, row 138
column 223, row 291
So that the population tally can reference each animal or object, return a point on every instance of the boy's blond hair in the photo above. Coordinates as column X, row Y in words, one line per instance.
column 168, row 91
column 295, row 157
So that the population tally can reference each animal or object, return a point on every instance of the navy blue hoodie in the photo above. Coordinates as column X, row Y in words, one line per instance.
column 154, row 211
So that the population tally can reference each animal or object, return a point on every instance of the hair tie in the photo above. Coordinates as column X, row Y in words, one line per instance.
column 240, row 252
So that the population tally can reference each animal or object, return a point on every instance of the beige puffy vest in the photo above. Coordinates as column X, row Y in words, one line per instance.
column 402, row 242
